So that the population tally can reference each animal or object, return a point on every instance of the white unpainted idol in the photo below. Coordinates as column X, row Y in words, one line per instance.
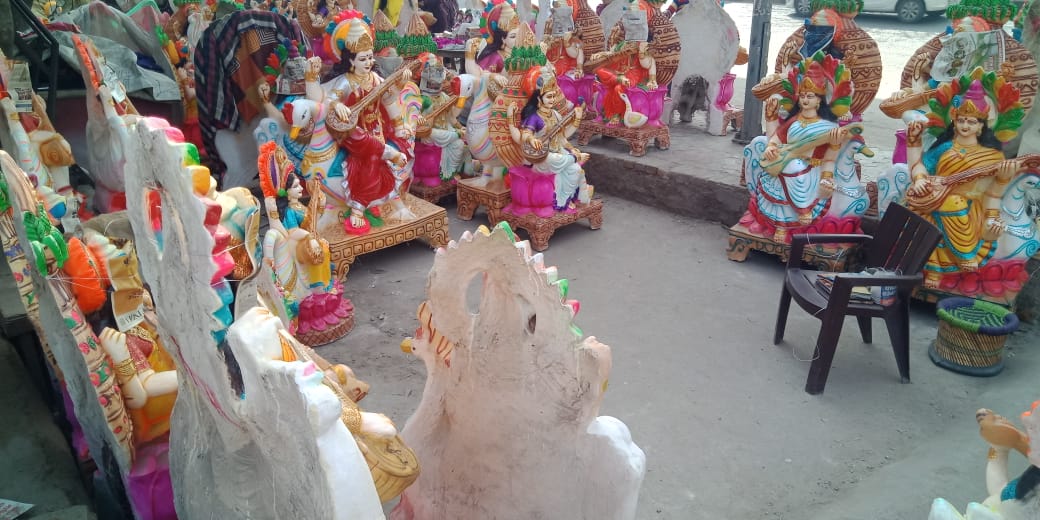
column 710, row 43
column 507, row 426
column 269, row 445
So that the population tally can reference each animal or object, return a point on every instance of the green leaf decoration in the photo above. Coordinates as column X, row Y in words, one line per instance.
column 5, row 200
column 504, row 226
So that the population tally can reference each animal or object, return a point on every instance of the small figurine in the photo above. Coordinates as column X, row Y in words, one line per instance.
column 545, row 132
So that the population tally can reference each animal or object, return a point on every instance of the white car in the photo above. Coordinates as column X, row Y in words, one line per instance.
column 909, row 11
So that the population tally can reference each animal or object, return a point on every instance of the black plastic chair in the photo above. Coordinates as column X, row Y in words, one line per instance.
column 902, row 244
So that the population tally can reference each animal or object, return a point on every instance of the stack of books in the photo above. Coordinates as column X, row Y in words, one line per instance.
column 825, row 281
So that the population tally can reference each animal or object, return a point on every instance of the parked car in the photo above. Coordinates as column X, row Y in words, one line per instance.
column 908, row 11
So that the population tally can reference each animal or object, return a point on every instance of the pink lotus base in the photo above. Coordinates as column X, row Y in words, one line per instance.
column 759, row 225
column 532, row 192
column 998, row 279
column 427, row 167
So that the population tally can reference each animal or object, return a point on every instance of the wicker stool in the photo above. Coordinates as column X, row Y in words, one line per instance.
column 971, row 336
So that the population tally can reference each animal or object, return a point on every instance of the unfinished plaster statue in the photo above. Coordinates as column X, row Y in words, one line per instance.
column 89, row 377
column 522, row 370
column 710, row 45
column 270, row 436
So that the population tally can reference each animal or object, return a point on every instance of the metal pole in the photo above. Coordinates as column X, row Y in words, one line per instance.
column 757, row 67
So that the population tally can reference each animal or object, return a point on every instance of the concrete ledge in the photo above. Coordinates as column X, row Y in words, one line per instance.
column 698, row 177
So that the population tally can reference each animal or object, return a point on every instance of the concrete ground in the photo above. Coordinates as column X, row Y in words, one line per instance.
column 37, row 465
column 720, row 412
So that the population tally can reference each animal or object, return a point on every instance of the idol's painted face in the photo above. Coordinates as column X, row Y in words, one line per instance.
column 968, row 126
column 808, row 100
column 296, row 191
column 511, row 38
column 363, row 62
column 549, row 98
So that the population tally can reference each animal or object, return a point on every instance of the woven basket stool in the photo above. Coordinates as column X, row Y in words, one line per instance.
column 971, row 336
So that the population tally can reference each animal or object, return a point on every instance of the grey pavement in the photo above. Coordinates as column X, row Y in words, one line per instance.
column 721, row 413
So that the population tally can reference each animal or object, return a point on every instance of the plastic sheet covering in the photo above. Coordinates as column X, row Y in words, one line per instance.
column 124, row 44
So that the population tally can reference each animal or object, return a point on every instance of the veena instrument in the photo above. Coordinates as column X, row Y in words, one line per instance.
column 424, row 130
column 942, row 186
column 532, row 155
column 339, row 125
column 803, row 147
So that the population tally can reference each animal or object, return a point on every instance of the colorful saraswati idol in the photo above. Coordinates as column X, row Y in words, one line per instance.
column 957, row 177
column 801, row 175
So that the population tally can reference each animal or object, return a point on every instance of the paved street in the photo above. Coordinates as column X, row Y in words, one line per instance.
column 721, row 413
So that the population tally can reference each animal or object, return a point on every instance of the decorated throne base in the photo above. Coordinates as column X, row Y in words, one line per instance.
column 647, row 103
column 541, row 229
column 433, row 194
column 830, row 257
column 427, row 183
column 533, row 206
column 472, row 195
column 430, row 225
column 637, row 138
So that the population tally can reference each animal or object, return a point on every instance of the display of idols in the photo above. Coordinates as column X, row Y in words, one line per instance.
column 351, row 139
column 239, row 422
column 521, row 352
column 572, row 33
column 957, row 177
column 298, row 257
column 634, row 73
column 546, row 179
column 1008, row 498
column 440, row 148
column 801, row 175
column 832, row 29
